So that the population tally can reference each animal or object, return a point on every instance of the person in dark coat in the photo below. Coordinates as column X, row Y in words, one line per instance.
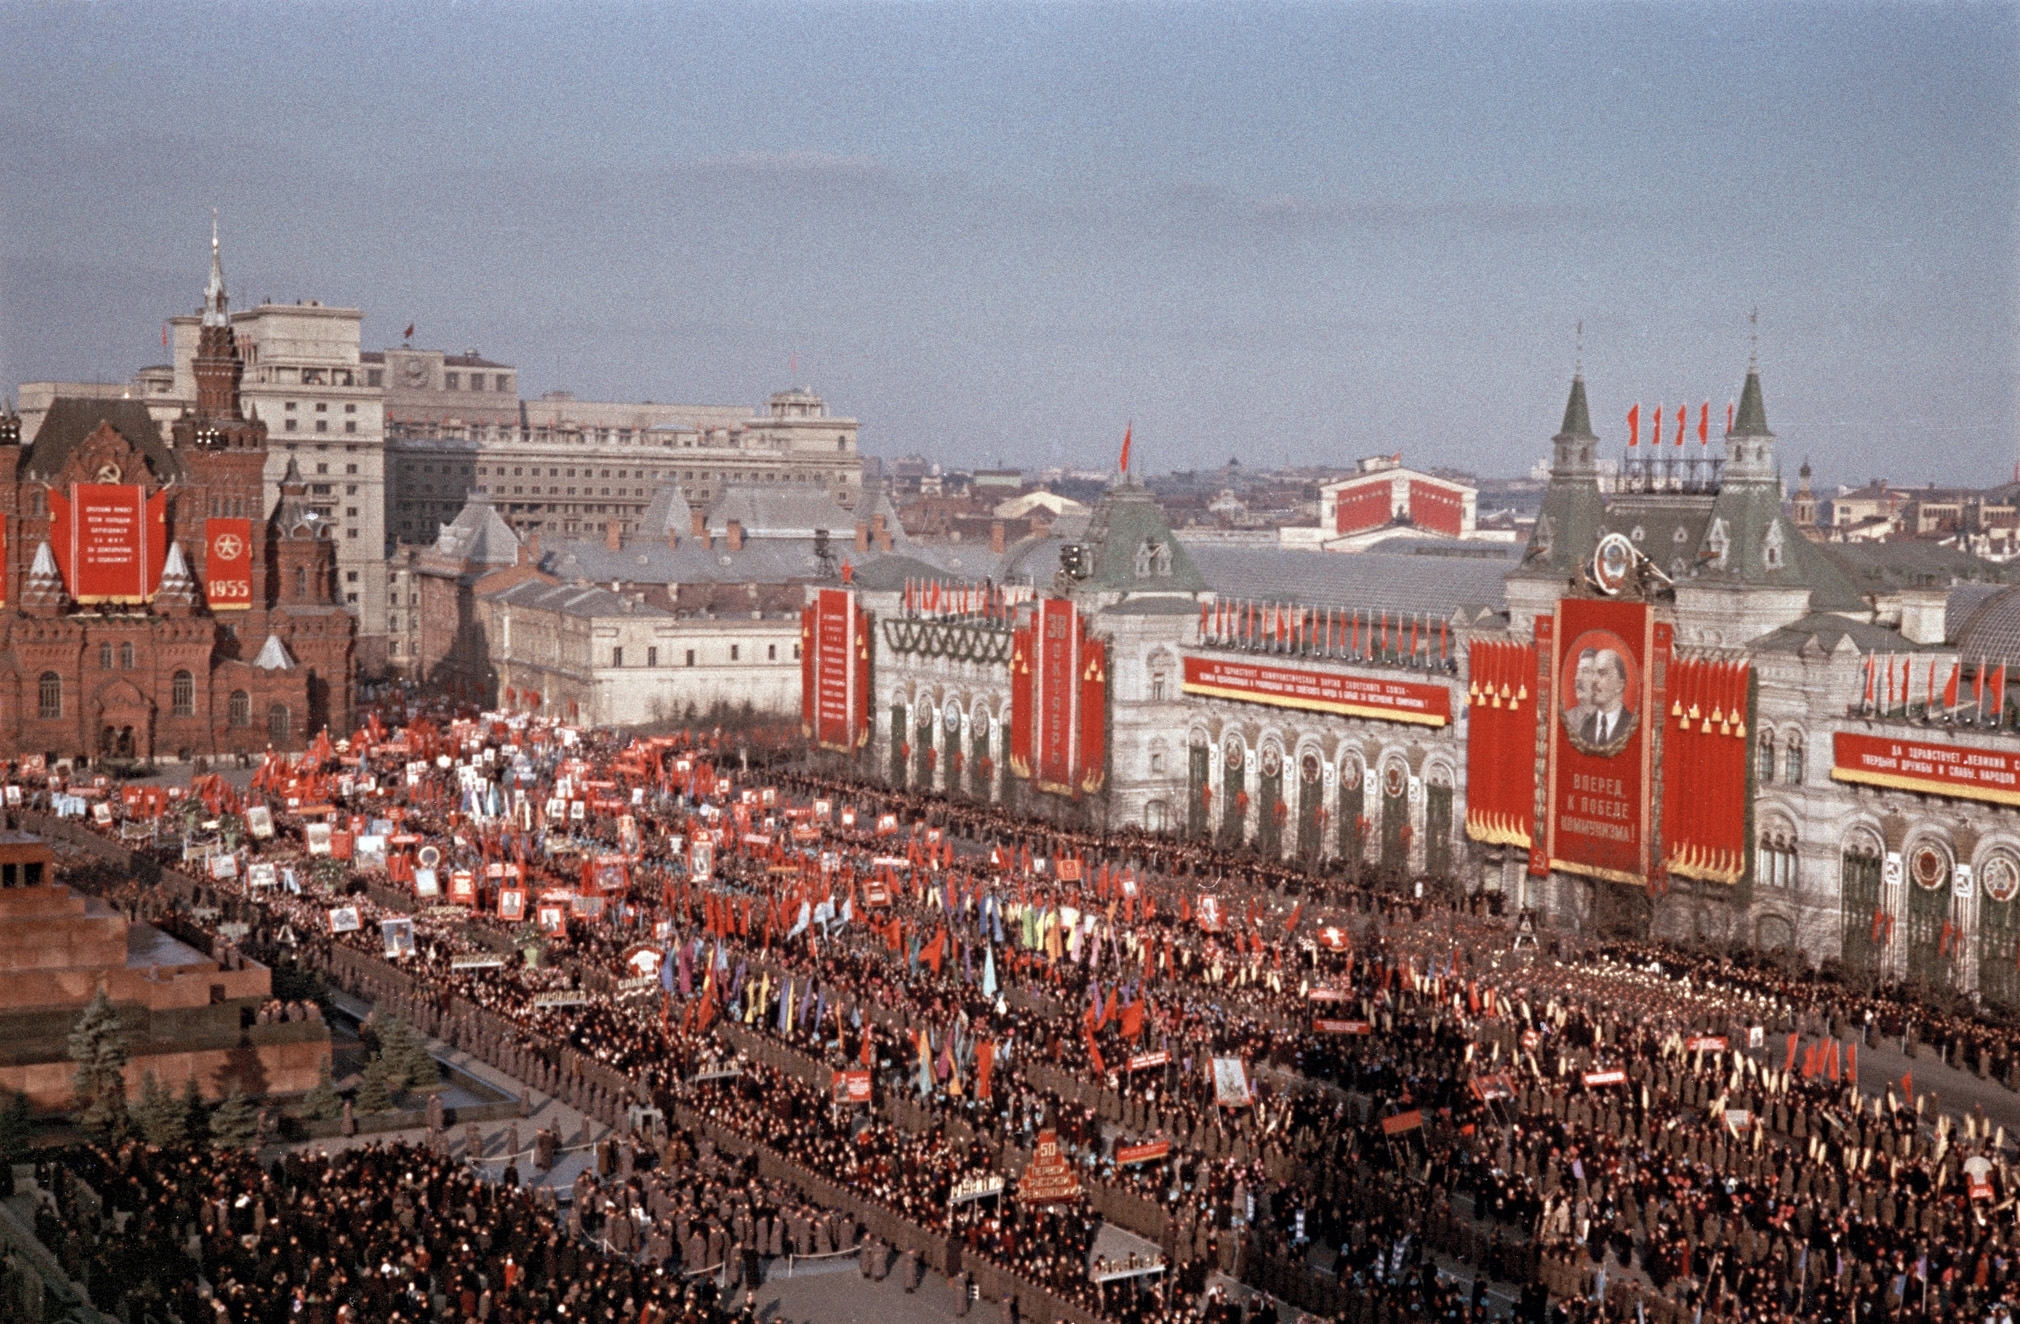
column 961, row 1281
column 909, row 1271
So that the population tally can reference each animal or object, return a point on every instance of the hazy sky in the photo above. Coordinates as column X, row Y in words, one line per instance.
column 1282, row 233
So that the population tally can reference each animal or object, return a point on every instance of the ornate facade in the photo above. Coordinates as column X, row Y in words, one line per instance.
column 231, row 639
column 1847, row 787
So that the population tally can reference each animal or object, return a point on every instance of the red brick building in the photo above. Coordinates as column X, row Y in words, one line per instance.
column 228, row 635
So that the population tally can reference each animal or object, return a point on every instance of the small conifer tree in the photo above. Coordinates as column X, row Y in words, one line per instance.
column 98, row 1047
column 373, row 1095
column 161, row 1118
column 323, row 1102
column 234, row 1124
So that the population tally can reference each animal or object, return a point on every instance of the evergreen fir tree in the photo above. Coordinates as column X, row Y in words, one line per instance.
column 234, row 1125
column 99, row 1049
column 408, row 1065
column 16, row 1131
column 373, row 1095
column 195, row 1117
column 322, row 1102
column 159, row 1116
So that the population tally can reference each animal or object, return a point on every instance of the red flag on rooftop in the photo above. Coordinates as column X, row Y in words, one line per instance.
column 1634, row 425
column 1704, row 424
column 1126, row 430
column 1682, row 422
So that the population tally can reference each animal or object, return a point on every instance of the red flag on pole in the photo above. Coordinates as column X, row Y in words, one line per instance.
column 1634, row 425
column 408, row 334
column 1682, row 422
column 1126, row 430
column 1704, row 424
column 1950, row 686
column 1656, row 440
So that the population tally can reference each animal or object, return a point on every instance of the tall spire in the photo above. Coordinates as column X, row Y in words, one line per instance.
column 1751, row 420
column 215, row 302
column 1577, row 418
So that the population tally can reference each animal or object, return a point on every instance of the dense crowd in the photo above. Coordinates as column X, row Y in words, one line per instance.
column 1354, row 1085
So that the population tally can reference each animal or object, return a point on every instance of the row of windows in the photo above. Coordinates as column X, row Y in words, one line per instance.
column 181, row 692
column 322, row 425
column 735, row 655
column 1791, row 762
column 453, row 381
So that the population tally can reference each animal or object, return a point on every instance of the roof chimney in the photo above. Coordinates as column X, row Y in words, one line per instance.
column 613, row 536
column 733, row 535
column 996, row 538
column 701, row 526
column 673, row 539
column 862, row 536
column 881, row 531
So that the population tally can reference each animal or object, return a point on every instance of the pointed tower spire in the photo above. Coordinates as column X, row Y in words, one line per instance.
column 216, row 305
column 217, row 366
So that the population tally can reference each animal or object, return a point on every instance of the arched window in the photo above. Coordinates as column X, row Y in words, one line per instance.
column 126, row 656
column 301, row 581
column 1764, row 765
column 182, row 694
column 105, row 657
column 241, row 708
column 1775, row 857
column 1792, row 760
column 277, row 723
column 50, row 698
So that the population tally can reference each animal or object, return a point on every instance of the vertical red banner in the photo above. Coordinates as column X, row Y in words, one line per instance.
column 110, row 540
column 227, row 564
column 1055, row 692
column 1092, row 770
column 1704, row 768
column 1603, row 703
column 835, row 673
column 1501, row 743
column 809, row 694
column 859, row 634
column 1023, row 648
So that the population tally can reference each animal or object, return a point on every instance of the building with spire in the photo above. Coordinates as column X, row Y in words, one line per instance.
column 164, row 606
column 1670, row 713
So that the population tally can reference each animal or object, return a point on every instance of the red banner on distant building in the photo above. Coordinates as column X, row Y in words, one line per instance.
column 1054, row 693
column 1501, row 743
column 110, row 540
column 1319, row 691
column 1602, row 702
column 1931, row 767
column 1705, row 770
column 1059, row 702
column 834, row 670
column 227, row 564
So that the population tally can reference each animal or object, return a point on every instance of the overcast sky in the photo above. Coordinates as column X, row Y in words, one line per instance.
column 1282, row 233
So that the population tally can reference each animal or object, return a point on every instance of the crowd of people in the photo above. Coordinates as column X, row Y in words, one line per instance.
column 1340, row 1095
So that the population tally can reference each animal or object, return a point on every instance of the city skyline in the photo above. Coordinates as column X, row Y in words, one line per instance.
column 1010, row 233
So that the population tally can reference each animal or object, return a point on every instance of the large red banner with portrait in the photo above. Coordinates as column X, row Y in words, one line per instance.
column 227, row 564
column 110, row 540
column 834, row 664
column 1602, row 695
column 1058, row 701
